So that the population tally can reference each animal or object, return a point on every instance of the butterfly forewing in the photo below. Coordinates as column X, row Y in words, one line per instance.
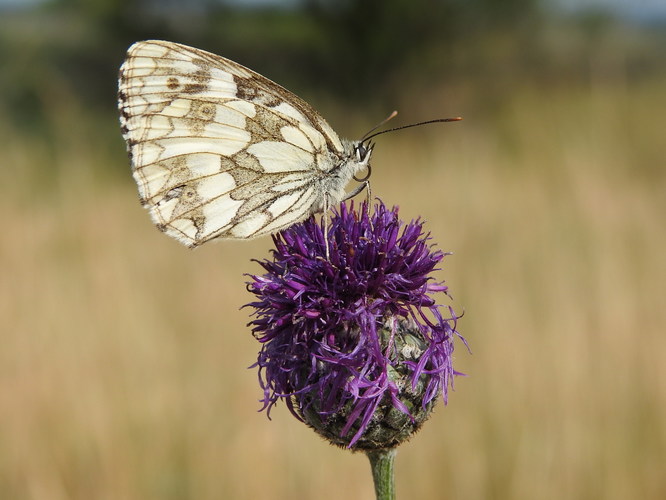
column 218, row 150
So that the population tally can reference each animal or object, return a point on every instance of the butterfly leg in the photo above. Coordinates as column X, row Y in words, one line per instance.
column 327, row 205
column 364, row 185
column 357, row 190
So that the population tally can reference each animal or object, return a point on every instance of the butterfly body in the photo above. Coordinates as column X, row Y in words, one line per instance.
column 219, row 151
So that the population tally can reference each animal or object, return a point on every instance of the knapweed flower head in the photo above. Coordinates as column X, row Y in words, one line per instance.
column 354, row 342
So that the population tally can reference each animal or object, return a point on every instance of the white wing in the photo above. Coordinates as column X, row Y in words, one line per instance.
column 218, row 150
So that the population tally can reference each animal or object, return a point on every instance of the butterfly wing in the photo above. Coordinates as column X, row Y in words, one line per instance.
column 218, row 150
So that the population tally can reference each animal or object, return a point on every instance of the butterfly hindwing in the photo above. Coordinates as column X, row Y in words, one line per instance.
column 218, row 150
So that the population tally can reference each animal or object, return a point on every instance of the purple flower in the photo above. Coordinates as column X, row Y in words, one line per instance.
column 355, row 344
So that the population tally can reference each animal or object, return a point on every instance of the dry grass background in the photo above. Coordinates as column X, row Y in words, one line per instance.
column 123, row 366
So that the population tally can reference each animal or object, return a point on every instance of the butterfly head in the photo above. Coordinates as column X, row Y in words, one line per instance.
column 363, row 151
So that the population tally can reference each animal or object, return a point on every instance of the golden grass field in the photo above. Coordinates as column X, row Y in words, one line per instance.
column 123, row 367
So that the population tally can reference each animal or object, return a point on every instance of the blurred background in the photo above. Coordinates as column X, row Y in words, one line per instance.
column 124, row 356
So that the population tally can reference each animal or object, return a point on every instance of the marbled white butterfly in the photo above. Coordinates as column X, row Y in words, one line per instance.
column 219, row 151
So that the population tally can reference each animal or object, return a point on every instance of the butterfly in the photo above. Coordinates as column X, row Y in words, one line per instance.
column 219, row 151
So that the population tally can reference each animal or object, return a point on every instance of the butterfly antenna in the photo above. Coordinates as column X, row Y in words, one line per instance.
column 389, row 117
column 438, row 120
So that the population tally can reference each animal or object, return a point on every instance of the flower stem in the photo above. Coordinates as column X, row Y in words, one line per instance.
column 381, row 463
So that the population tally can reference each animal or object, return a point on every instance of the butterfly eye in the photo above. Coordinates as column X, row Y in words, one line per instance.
column 362, row 151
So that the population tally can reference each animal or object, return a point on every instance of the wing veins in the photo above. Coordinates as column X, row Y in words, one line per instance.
column 194, row 208
column 163, row 191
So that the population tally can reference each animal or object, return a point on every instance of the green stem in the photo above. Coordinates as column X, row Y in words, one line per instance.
column 381, row 463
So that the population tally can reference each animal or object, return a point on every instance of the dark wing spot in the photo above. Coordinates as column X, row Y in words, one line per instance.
column 174, row 193
column 247, row 90
column 265, row 125
column 194, row 88
column 244, row 90
column 200, row 78
column 173, row 83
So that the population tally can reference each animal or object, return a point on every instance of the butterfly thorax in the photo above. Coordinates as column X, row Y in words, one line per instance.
column 354, row 158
